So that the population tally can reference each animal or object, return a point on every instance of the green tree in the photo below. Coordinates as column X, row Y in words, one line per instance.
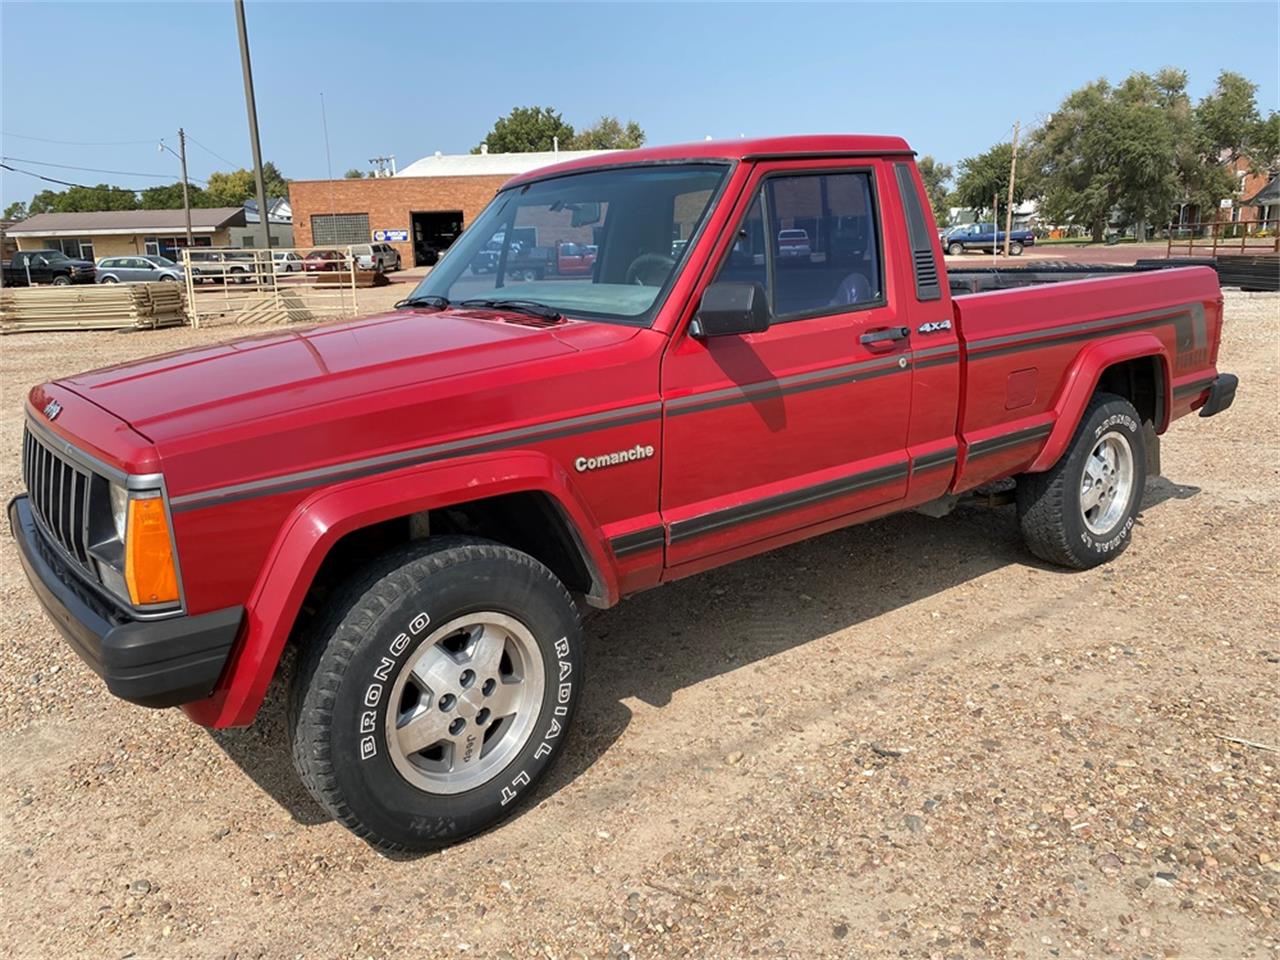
column 16, row 211
column 354, row 174
column 83, row 200
column 986, row 176
column 276, row 183
column 1228, row 118
column 935, row 176
column 1126, row 151
column 528, row 129
column 169, row 197
column 228, row 189
column 232, row 188
column 608, row 133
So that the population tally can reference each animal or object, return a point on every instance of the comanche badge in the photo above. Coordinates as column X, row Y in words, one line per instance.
column 639, row 452
column 52, row 409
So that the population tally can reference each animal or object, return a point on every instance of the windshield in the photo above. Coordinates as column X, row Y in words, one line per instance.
column 598, row 245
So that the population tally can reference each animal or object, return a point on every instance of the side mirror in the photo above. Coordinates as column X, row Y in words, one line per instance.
column 732, row 308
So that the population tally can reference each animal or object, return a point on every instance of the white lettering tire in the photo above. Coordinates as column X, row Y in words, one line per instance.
column 436, row 692
column 1081, row 512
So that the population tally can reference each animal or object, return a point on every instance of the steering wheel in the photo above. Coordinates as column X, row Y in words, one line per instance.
column 650, row 266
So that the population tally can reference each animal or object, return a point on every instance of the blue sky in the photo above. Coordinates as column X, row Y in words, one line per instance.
column 410, row 79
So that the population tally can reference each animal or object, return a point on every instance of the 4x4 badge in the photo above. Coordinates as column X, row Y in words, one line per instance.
column 935, row 326
column 52, row 409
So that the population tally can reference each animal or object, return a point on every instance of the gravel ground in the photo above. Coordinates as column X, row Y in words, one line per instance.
column 907, row 739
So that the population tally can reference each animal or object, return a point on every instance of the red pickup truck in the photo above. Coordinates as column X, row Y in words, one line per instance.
column 419, row 500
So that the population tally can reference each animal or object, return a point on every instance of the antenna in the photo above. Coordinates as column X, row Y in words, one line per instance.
column 324, row 120
column 381, row 164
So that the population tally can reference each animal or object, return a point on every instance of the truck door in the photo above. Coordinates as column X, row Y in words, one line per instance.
column 768, row 433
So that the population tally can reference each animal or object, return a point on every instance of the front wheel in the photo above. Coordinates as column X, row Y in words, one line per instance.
column 62, row 281
column 437, row 692
column 955, row 249
column 1015, row 249
column 1081, row 512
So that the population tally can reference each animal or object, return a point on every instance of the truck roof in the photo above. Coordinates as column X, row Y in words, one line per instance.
column 818, row 144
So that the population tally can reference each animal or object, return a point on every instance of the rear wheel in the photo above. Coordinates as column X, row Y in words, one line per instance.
column 437, row 692
column 110, row 280
column 1081, row 512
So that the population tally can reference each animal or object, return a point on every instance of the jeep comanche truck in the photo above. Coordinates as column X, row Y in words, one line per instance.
column 419, row 500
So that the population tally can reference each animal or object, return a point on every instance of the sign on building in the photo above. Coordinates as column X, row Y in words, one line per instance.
column 391, row 236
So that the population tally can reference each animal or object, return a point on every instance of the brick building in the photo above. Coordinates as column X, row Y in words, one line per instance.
column 428, row 203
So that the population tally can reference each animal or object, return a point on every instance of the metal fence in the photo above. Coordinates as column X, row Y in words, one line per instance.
column 1227, row 236
column 280, row 285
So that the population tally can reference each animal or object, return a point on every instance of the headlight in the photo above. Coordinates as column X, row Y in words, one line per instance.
column 149, row 574
column 119, row 510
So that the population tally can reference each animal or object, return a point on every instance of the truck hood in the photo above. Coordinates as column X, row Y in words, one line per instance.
column 262, row 377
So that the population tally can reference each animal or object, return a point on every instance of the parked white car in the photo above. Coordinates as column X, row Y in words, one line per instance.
column 286, row 261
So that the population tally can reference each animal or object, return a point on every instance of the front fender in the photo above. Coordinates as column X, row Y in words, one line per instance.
column 1081, row 380
column 322, row 519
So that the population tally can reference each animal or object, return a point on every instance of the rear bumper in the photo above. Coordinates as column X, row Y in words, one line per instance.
column 1221, row 394
column 153, row 663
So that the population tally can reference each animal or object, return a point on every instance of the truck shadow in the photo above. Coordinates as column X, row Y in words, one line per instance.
column 687, row 632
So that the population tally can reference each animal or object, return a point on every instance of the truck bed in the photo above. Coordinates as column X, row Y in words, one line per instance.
column 1021, row 339
column 969, row 280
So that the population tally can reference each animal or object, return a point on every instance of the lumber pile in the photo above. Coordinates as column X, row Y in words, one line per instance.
column 114, row 306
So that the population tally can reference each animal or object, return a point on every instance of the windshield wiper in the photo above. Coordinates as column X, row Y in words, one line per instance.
column 531, row 307
column 429, row 300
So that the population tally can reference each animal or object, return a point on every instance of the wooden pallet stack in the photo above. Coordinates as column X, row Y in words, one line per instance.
column 115, row 306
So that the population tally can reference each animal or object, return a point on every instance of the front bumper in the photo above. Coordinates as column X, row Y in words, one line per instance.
column 1221, row 394
column 154, row 663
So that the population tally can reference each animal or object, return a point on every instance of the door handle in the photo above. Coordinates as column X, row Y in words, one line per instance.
column 884, row 335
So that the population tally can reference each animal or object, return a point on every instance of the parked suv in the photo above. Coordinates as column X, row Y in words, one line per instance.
column 147, row 267
column 376, row 256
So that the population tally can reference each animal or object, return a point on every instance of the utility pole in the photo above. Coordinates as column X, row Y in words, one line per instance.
column 1013, row 173
column 264, row 231
column 186, row 196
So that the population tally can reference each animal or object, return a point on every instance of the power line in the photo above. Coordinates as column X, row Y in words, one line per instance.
column 77, row 143
column 122, row 173
column 230, row 163
column 68, row 183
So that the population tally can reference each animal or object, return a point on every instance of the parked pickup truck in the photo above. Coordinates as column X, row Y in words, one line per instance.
column 418, row 501
column 982, row 236
column 30, row 267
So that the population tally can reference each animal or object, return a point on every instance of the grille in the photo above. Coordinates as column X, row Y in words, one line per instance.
column 59, row 491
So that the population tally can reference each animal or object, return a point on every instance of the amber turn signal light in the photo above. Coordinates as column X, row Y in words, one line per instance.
column 148, row 554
